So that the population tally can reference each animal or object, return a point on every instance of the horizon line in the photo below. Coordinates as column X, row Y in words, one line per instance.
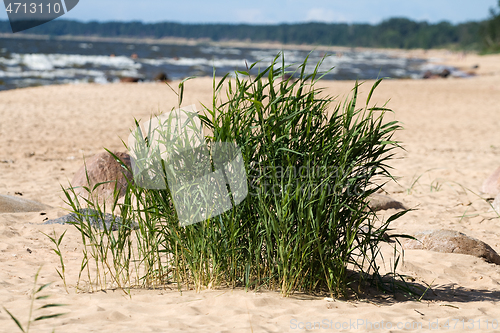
column 265, row 24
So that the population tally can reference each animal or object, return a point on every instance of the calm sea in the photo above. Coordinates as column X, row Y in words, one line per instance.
column 33, row 62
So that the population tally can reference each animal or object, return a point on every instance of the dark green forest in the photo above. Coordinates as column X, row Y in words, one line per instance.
column 392, row 33
column 490, row 31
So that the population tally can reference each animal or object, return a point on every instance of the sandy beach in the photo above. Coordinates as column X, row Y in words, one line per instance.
column 451, row 142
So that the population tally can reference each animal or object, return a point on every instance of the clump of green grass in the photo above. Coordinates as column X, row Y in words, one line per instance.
column 311, row 162
column 108, row 254
column 57, row 250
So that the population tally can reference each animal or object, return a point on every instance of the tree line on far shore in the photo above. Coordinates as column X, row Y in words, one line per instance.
column 392, row 33
column 490, row 31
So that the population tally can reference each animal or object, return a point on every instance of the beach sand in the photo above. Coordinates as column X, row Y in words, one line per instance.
column 451, row 139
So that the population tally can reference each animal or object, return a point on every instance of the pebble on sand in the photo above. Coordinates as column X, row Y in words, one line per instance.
column 450, row 241
column 10, row 204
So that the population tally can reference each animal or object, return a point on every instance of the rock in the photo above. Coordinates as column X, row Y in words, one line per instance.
column 382, row 202
column 129, row 79
column 433, row 75
column 103, row 168
column 449, row 241
column 445, row 73
column 161, row 77
column 491, row 186
column 10, row 204
column 92, row 216
column 428, row 75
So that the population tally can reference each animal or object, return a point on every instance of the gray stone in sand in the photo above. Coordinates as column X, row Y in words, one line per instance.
column 10, row 204
column 491, row 186
column 382, row 202
column 92, row 216
column 449, row 241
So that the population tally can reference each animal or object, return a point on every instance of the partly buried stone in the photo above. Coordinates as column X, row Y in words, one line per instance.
column 103, row 168
column 491, row 186
column 449, row 241
column 10, row 204
column 382, row 202
column 93, row 217
column 161, row 77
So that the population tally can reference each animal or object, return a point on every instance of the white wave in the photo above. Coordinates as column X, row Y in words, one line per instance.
column 392, row 61
column 191, row 62
column 57, row 73
column 14, row 69
column 9, row 62
column 126, row 73
column 85, row 45
column 437, row 68
column 398, row 72
column 264, row 54
column 219, row 50
column 44, row 62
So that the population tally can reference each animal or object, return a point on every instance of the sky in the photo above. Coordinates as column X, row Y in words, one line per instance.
column 278, row 11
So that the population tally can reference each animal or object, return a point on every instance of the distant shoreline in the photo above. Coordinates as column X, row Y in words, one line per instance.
column 468, row 62
column 441, row 55
column 396, row 32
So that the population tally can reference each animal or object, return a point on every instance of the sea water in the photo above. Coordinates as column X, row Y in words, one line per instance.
column 28, row 62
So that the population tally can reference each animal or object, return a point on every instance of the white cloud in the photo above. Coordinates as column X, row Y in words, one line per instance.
column 325, row 15
column 277, row 11
column 251, row 15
